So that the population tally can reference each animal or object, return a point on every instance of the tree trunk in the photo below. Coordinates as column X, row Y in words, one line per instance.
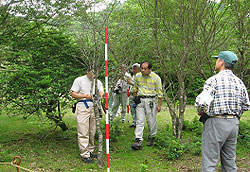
column 181, row 108
column 52, row 116
column 97, row 111
column 58, row 121
column 99, row 132
column 173, row 116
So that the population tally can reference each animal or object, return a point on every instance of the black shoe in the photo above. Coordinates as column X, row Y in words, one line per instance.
column 87, row 160
column 151, row 141
column 92, row 155
column 137, row 145
column 132, row 126
column 123, row 120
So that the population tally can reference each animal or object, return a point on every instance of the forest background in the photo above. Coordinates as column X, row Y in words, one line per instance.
column 45, row 45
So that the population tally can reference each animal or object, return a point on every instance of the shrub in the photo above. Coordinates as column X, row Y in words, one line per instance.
column 171, row 147
column 115, row 130
column 195, row 126
column 174, row 150
column 193, row 146
column 244, row 135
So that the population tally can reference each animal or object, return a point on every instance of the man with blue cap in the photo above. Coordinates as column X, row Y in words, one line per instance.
column 229, row 100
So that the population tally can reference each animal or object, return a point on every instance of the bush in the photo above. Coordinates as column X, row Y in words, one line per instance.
column 174, row 150
column 170, row 147
column 193, row 146
column 194, row 88
column 115, row 130
column 195, row 126
column 163, row 138
column 244, row 135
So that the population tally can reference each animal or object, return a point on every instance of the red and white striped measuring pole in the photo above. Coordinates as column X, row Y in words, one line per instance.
column 107, row 96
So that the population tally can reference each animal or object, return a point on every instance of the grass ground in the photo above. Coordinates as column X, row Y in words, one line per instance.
column 44, row 149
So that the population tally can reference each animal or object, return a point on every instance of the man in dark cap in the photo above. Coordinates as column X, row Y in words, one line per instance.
column 229, row 100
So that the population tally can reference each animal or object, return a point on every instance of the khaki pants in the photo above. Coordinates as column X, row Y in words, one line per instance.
column 86, row 128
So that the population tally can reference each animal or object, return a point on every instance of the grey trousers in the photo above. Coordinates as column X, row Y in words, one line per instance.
column 119, row 99
column 219, row 139
column 144, row 110
column 132, row 109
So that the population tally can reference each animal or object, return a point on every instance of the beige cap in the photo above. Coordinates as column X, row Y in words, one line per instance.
column 136, row 65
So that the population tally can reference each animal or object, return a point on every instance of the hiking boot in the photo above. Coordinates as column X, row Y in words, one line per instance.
column 87, row 160
column 151, row 141
column 137, row 145
column 92, row 155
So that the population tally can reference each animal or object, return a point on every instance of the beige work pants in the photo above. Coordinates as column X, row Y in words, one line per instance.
column 86, row 128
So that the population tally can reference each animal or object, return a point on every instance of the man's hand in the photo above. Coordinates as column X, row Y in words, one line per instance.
column 158, row 108
column 81, row 96
column 159, row 104
column 200, row 113
column 88, row 97
column 130, row 81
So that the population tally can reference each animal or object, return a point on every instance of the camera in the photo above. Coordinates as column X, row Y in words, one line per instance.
column 151, row 105
column 201, row 107
column 134, row 105
column 137, row 100
column 118, row 89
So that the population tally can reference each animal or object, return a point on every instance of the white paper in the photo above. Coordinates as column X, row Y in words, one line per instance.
column 203, row 101
column 204, row 98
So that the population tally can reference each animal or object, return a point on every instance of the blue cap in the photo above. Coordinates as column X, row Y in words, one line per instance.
column 228, row 56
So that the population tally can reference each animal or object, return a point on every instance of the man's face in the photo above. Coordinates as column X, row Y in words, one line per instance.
column 219, row 64
column 89, row 74
column 135, row 70
column 124, row 69
column 145, row 70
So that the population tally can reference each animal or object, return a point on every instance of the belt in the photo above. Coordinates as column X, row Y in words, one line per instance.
column 144, row 97
column 225, row 116
column 85, row 102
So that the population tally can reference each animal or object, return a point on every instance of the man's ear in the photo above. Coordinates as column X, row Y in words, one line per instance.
column 222, row 63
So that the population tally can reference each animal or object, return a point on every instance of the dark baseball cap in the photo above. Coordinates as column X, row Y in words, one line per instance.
column 228, row 56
